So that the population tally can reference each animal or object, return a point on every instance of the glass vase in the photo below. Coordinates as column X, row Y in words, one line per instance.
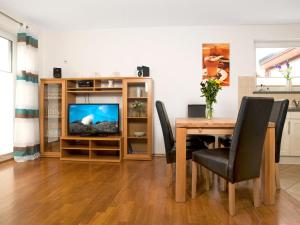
column 289, row 85
column 209, row 110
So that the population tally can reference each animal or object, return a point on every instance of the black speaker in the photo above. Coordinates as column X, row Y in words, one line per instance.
column 56, row 72
column 143, row 71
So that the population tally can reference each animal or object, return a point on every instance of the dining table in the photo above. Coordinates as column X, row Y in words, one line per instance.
column 221, row 127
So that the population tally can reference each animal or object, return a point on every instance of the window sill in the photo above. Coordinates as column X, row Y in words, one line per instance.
column 276, row 92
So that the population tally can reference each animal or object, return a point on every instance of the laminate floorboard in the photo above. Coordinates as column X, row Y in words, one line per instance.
column 53, row 192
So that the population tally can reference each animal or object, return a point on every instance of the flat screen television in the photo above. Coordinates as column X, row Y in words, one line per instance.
column 93, row 119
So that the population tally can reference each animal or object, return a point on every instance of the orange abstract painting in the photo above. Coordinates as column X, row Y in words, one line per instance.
column 216, row 63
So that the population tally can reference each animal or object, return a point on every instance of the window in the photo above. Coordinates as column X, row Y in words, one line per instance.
column 270, row 56
column 5, row 55
column 6, row 95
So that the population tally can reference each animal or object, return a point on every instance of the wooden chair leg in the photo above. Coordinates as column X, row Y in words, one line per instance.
column 207, row 180
column 277, row 176
column 221, row 181
column 170, row 173
column 256, row 192
column 194, row 178
column 223, row 184
column 231, row 196
column 211, row 174
column 199, row 170
column 211, row 178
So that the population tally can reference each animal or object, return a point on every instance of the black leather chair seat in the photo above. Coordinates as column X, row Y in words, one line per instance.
column 216, row 160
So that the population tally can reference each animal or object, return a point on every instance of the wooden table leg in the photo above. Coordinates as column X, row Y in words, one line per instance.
column 268, row 167
column 180, row 164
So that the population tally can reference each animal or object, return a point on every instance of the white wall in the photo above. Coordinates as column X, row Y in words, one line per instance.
column 173, row 54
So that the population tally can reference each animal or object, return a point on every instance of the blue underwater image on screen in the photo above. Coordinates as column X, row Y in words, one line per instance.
column 93, row 118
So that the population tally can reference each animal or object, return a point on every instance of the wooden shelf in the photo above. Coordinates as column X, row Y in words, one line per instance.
column 93, row 138
column 107, row 155
column 137, row 138
column 75, row 153
column 80, row 91
column 76, row 158
column 137, row 98
column 105, row 148
column 108, row 149
column 76, row 148
column 137, row 118
column 108, row 88
column 80, row 88
column 109, row 91
column 98, row 91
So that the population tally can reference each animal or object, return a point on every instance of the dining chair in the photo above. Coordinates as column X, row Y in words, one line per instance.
column 198, row 111
column 224, row 141
column 242, row 161
column 169, row 141
column 278, row 116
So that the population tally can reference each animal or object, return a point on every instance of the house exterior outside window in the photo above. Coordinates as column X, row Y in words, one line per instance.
column 269, row 57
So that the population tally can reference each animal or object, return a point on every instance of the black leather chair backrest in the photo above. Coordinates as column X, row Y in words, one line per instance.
column 196, row 110
column 278, row 116
column 248, row 138
column 166, row 127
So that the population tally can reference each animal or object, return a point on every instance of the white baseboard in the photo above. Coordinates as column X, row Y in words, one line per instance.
column 6, row 157
column 289, row 160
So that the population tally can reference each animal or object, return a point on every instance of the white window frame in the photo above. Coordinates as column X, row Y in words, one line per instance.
column 13, row 38
column 11, row 56
column 274, row 44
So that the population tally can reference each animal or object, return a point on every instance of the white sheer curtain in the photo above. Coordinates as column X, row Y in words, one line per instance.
column 26, row 138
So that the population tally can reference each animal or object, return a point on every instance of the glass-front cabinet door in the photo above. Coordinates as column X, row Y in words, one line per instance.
column 51, row 113
column 137, row 103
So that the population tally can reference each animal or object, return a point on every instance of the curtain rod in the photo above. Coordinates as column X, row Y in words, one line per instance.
column 13, row 19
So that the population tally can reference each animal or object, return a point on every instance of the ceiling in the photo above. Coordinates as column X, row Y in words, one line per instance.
column 91, row 14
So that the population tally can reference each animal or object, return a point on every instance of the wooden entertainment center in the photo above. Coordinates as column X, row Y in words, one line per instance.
column 134, row 96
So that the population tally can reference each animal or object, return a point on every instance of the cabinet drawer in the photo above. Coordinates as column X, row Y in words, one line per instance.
column 293, row 115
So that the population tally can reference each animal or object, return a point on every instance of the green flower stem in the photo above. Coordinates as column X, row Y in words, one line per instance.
column 209, row 90
column 209, row 110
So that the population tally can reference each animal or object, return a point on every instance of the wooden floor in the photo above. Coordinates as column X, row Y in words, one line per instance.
column 49, row 191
